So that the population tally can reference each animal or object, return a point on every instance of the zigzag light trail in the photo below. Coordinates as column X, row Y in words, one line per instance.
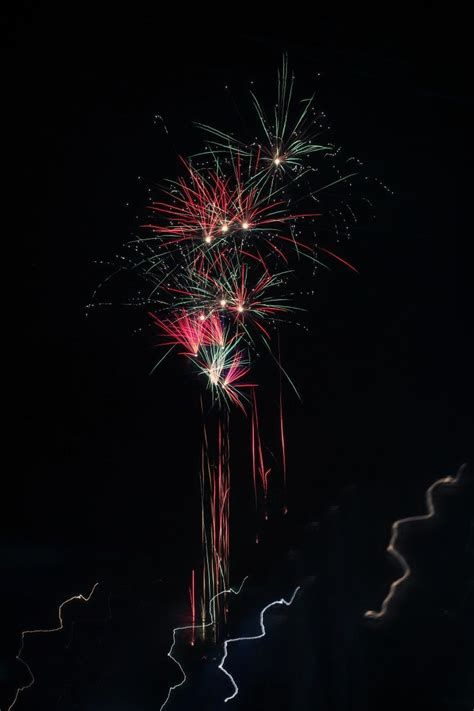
column 193, row 628
column 82, row 598
column 281, row 601
column 392, row 549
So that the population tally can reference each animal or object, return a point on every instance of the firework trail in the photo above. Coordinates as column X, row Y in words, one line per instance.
column 81, row 598
column 193, row 628
column 192, row 601
column 259, row 468
column 215, row 534
column 281, row 601
column 282, row 424
column 395, row 553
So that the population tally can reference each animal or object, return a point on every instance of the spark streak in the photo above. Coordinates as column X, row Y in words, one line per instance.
column 281, row 601
column 193, row 628
column 215, row 529
column 82, row 598
column 192, row 600
column 391, row 548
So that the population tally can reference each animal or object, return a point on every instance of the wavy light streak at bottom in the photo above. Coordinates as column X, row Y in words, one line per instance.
column 193, row 628
column 82, row 598
column 391, row 548
column 281, row 601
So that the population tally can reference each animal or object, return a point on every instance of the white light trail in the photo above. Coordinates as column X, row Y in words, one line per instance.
column 391, row 548
column 282, row 601
column 194, row 627
column 82, row 598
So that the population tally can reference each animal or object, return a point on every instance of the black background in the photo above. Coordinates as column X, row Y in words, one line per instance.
column 100, row 468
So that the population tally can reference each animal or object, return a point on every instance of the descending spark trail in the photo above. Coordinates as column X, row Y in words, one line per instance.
column 192, row 600
column 82, row 598
column 391, row 548
column 215, row 529
column 282, row 601
column 193, row 628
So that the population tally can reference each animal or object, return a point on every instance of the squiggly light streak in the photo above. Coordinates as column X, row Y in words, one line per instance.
column 282, row 601
column 194, row 627
column 391, row 548
column 82, row 598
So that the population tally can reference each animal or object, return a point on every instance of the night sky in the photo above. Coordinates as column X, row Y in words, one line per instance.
column 100, row 476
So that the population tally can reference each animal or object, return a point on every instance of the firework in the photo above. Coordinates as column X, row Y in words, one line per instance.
column 222, row 256
column 227, row 241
